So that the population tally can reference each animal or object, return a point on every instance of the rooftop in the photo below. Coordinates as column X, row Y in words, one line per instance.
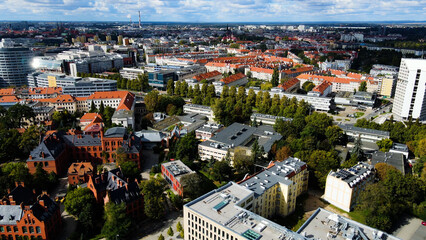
column 177, row 168
column 392, row 158
column 352, row 128
column 327, row 225
column 354, row 174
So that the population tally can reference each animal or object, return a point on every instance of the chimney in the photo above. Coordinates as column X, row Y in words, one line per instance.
column 127, row 187
column 103, row 177
column 127, row 179
column 31, row 157
column 41, row 202
column 34, row 192
column 22, row 205
column 44, row 192
column 42, row 154
column 8, row 191
column 97, row 180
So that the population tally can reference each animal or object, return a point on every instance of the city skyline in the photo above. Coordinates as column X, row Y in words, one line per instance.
column 205, row 11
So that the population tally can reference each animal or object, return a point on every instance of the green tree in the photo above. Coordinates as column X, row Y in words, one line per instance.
column 234, row 45
column 179, row 227
column 153, row 197
column 101, row 108
column 77, row 199
column 170, row 231
column 308, row 86
column 151, row 100
column 275, row 77
column 93, row 108
column 321, row 163
column 357, row 149
column 194, row 185
column 17, row 113
column 170, row 88
column 385, row 144
column 334, row 134
column 363, row 86
column 130, row 170
column 221, row 171
column 117, row 224
column 243, row 163
column 187, row 147
column 161, row 237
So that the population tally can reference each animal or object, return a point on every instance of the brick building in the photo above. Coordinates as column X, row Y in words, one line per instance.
column 57, row 151
column 110, row 186
column 173, row 172
column 80, row 172
column 25, row 217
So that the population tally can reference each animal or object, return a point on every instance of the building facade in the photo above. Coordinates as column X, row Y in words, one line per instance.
column 173, row 171
column 410, row 93
column 15, row 64
column 344, row 186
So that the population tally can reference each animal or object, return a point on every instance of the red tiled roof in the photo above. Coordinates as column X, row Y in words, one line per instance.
column 233, row 78
column 262, row 70
column 216, row 64
column 80, row 168
column 207, row 75
column 290, row 83
column 7, row 92
column 108, row 95
column 8, row 99
column 299, row 70
column 59, row 98
column 126, row 102
column 322, row 87
column 88, row 117
column 45, row 90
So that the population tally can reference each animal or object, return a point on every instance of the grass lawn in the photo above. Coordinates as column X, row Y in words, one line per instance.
column 359, row 114
column 354, row 215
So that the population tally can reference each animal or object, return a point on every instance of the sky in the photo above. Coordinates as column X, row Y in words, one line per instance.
column 214, row 10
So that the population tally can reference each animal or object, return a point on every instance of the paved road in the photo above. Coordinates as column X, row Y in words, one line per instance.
column 373, row 114
column 150, row 159
column 411, row 230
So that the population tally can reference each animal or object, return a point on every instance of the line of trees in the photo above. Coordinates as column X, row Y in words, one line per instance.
column 138, row 84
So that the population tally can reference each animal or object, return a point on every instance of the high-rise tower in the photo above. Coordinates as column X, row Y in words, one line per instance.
column 15, row 64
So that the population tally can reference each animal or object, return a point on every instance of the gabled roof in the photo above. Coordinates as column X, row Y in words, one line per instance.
column 8, row 99
column 80, row 168
column 207, row 75
column 233, row 78
column 288, row 84
column 7, row 92
column 88, row 117
column 322, row 87
column 108, row 95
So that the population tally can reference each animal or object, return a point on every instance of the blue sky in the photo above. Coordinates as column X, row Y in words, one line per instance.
column 214, row 10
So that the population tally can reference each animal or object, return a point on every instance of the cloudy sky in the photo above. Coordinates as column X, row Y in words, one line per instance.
column 214, row 10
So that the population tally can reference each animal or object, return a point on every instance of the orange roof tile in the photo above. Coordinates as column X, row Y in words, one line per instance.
column 80, row 168
column 126, row 102
column 263, row 70
column 216, row 64
column 108, row 95
column 288, row 84
column 88, row 117
column 233, row 78
column 322, row 87
column 8, row 99
column 207, row 75
column 7, row 92
column 45, row 90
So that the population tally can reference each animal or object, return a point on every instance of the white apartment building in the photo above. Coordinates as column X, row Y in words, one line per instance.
column 240, row 211
column 131, row 73
column 410, row 93
column 266, row 118
column 200, row 109
column 366, row 134
column 344, row 186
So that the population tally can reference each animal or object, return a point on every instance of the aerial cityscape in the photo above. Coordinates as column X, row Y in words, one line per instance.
column 213, row 120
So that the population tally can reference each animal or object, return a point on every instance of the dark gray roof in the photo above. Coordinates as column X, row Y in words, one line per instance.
column 355, row 173
column 392, row 158
column 115, row 132
column 51, row 147
column 352, row 128
column 82, row 140
column 150, row 135
column 234, row 135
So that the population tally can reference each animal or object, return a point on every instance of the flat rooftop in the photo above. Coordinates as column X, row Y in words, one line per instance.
column 352, row 128
column 327, row 225
column 222, row 206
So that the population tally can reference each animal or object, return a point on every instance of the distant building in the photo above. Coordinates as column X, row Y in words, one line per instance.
column 207, row 131
column 15, row 63
column 291, row 85
column 400, row 148
column 266, row 118
column 410, row 93
column 366, row 134
column 324, row 224
column 200, row 109
column 209, row 76
column 237, row 79
column 392, row 158
column 173, row 171
column 80, row 172
column 111, row 187
column 132, row 73
column 159, row 79
column 344, row 186
column 321, row 90
column 237, row 136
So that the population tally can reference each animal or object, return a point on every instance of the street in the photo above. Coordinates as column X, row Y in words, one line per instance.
column 412, row 229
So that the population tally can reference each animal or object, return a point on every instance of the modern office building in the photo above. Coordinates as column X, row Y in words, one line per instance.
column 159, row 79
column 344, row 186
column 40, row 79
column 239, row 211
column 237, row 136
column 15, row 64
column 410, row 93
column 88, row 86
column 199, row 109
column 131, row 73
column 173, row 171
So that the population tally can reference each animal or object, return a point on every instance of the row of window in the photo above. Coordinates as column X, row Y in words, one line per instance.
column 24, row 229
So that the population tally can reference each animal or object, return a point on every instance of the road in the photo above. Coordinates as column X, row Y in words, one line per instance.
column 378, row 112
column 69, row 222
column 412, row 229
column 150, row 159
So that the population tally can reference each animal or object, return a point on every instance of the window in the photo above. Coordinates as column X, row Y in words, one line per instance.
column 24, row 229
column 8, row 229
column 1, row 229
column 15, row 229
column 46, row 164
column 38, row 229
